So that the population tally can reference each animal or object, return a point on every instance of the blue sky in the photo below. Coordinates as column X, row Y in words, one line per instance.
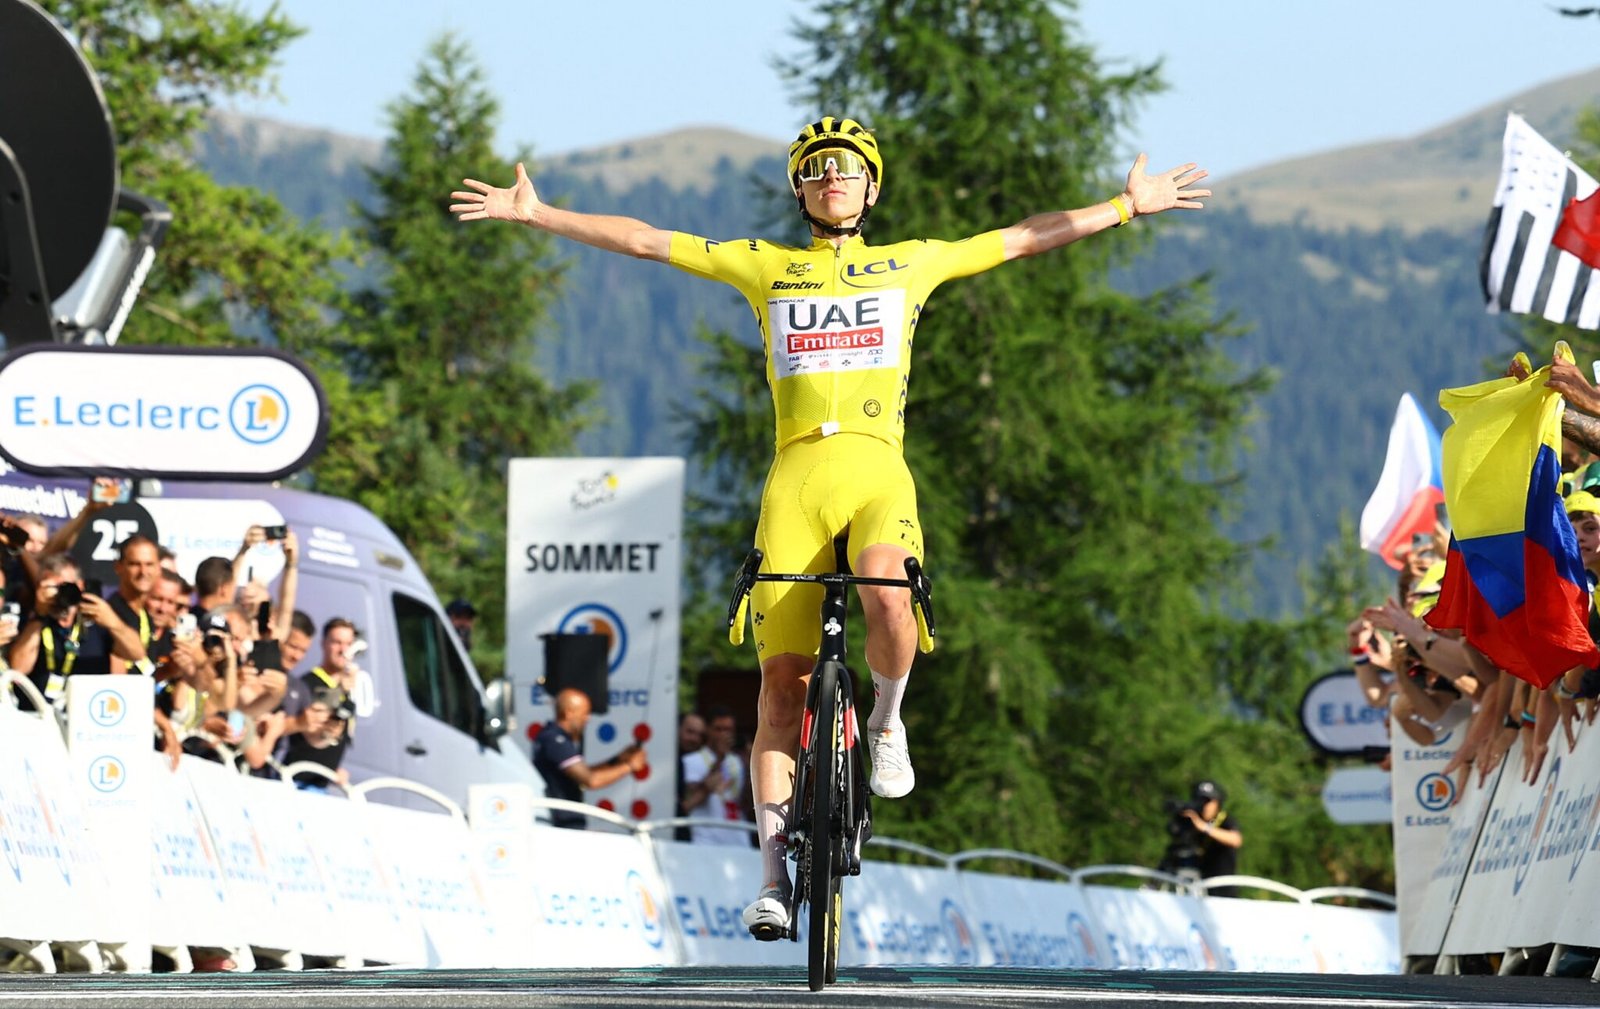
column 1252, row 81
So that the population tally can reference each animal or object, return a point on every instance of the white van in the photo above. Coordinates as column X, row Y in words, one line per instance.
column 425, row 713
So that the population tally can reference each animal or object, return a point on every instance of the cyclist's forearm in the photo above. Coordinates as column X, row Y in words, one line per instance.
column 613, row 234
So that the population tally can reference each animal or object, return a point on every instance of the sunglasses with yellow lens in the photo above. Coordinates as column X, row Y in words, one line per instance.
column 848, row 164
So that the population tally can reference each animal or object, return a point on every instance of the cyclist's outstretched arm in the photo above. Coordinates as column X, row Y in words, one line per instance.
column 483, row 202
column 1145, row 194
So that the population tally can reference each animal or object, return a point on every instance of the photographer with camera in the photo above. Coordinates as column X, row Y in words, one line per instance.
column 329, row 733
column 70, row 631
column 1205, row 838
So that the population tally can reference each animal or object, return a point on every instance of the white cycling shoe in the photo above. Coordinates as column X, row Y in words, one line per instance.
column 892, row 775
column 768, row 918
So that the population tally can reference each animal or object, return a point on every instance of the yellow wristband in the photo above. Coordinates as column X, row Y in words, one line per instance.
column 1124, row 215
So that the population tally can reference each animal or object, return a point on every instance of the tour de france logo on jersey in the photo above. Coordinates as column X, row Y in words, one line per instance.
column 1435, row 792
column 258, row 413
column 593, row 618
column 813, row 336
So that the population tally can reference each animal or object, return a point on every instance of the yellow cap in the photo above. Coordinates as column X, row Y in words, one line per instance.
column 1581, row 501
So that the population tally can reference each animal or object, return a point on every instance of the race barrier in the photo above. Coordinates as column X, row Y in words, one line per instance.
column 1518, row 863
column 246, row 872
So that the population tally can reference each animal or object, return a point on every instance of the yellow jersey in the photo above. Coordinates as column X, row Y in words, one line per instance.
column 837, row 323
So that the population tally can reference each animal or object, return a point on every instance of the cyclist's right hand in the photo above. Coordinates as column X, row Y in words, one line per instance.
column 491, row 203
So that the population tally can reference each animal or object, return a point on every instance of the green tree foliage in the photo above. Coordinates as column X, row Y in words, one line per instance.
column 1071, row 447
column 446, row 344
column 233, row 259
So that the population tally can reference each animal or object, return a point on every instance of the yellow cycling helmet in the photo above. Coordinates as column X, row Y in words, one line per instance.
column 830, row 131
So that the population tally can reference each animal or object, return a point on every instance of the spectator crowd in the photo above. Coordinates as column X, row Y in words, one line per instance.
column 224, row 654
column 1434, row 682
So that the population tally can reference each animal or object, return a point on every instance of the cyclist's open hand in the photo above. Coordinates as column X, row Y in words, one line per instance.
column 1171, row 188
column 491, row 203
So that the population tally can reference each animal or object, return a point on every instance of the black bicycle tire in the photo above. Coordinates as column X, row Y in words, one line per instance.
column 820, row 838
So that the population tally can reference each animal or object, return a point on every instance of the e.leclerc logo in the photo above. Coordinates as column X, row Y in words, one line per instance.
column 1435, row 792
column 258, row 414
column 593, row 618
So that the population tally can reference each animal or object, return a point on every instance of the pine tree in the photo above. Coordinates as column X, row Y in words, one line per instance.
column 234, row 264
column 449, row 344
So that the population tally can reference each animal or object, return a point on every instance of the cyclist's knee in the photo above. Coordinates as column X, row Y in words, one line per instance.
column 783, row 690
column 885, row 603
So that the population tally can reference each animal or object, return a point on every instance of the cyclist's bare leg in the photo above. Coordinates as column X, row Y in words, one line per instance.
column 891, row 645
column 891, row 627
column 780, row 709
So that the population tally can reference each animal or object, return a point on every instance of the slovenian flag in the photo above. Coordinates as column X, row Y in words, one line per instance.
column 1409, row 488
column 1513, row 580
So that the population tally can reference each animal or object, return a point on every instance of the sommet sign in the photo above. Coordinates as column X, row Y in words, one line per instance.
column 185, row 413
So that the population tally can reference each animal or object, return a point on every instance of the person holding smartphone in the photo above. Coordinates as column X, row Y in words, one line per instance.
column 70, row 632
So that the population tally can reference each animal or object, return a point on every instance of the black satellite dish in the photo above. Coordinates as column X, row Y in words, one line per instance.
column 58, row 190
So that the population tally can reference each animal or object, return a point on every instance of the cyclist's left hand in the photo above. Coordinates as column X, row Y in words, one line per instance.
column 1151, row 194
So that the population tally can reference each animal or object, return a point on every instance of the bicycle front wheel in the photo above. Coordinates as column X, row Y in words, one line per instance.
column 822, row 886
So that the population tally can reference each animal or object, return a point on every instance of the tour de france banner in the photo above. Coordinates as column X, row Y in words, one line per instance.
column 594, row 546
column 1423, row 796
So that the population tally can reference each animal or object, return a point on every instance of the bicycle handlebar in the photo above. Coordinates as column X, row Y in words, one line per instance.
column 750, row 572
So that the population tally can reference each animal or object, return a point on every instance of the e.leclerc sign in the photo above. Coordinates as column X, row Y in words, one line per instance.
column 183, row 413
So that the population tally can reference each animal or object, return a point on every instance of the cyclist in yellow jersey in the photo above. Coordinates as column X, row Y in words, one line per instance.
column 837, row 321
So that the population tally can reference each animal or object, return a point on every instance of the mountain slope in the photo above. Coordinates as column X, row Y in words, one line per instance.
column 1444, row 178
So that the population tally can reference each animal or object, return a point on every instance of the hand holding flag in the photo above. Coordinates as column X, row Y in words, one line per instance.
column 1514, row 581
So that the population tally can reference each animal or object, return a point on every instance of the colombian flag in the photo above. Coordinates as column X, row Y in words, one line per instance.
column 1513, row 579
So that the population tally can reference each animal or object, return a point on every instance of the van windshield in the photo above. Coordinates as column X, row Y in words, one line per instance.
column 436, row 678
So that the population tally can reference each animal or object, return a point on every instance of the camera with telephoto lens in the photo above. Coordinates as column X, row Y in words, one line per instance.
column 1183, row 850
column 345, row 710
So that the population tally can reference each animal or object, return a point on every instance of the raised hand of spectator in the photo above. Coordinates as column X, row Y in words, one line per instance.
column 1494, row 751
column 1535, row 747
column 252, row 595
column 636, row 759
column 1381, row 652
column 1519, row 367
column 1569, row 380
column 291, row 548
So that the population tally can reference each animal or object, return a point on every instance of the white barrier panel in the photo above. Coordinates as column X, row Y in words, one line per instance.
column 274, row 885
column 376, row 922
column 431, row 855
column 48, row 865
column 110, row 720
column 1266, row 935
column 1450, row 870
column 241, row 855
column 593, row 899
column 902, row 915
column 1531, row 852
column 1577, row 919
column 191, row 900
column 1156, row 930
column 1028, row 923
column 709, row 889
column 1422, row 800
column 1353, row 940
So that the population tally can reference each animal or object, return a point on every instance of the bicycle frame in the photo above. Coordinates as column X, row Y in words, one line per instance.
column 830, row 811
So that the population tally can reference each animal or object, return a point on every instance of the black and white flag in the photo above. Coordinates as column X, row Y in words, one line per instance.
column 1520, row 269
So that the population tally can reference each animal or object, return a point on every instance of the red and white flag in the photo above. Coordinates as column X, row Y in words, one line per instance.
column 1409, row 488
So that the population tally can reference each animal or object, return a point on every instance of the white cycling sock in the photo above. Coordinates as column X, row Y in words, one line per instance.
column 886, row 694
column 772, row 819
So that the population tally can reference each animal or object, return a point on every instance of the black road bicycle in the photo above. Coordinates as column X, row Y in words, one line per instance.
column 830, row 817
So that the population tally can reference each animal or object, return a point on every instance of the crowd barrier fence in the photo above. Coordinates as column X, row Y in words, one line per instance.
column 265, row 875
column 1517, row 863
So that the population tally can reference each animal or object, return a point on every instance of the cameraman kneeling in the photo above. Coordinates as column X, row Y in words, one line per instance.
column 1220, row 838
column 71, row 632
